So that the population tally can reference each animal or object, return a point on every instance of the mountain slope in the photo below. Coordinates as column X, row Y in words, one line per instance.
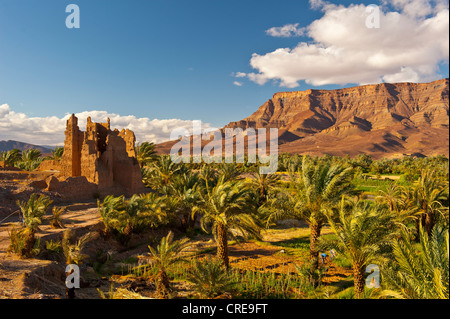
column 381, row 120
column 9, row 145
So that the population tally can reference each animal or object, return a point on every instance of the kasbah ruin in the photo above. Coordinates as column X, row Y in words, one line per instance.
column 95, row 163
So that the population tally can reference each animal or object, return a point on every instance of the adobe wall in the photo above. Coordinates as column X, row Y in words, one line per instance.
column 104, row 157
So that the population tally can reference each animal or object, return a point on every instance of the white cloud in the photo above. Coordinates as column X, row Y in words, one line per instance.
column 286, row 31
column 239, row 74
column 237, row 83
column 50, row 130
column 411, row 42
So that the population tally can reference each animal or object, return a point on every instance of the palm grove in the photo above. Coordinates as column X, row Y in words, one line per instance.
column 403, row 227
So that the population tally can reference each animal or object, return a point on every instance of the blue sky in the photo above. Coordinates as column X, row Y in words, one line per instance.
column 163, row 59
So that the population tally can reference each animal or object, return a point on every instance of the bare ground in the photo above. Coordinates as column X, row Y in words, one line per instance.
column 43, row 279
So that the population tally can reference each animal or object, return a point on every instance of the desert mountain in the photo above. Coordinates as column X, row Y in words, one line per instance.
column 9, row 145
column 382, row 120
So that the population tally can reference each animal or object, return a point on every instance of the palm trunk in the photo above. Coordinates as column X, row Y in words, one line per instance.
column 313, row 250
column 222, row 245
column 427, row 220
column 262, row 195
column 30, row 240
column 359, row 279
column 163, row 284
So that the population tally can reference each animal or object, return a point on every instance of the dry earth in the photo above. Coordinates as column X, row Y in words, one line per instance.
column 44, row 279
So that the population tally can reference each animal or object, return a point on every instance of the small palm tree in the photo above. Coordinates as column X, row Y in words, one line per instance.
column 55, row 219
column 72, row 251
column 167, row 253
column 185, row 190
column 57, row 153
column 364, row 232
column 420, row 274
column 30, row 160
column 32, row 211
column 160, row 173
column 73, row 254
column 123, row 217
column 210, row 278
column 263, row 183
column 145, row 153
column 11, row 157
column 228, row 209
column 229, row 171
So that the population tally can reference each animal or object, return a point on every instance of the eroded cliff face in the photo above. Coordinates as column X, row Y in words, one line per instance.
column 382, row 120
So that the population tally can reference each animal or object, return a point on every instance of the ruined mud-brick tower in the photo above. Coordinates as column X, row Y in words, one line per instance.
column 106, row 158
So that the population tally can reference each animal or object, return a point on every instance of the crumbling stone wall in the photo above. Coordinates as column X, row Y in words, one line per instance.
column 105, row 158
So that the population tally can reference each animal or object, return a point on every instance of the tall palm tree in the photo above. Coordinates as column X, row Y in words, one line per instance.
column 145, row 153
column 419, row 274
column 309, row 195
column 167, row 253
column 364, row 232
column 32, row 211
column 227, row 207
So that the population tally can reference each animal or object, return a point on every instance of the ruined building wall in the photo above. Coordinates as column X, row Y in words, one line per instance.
column 106, row 158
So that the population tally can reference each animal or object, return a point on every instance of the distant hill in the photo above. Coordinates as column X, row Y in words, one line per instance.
column 9, row 145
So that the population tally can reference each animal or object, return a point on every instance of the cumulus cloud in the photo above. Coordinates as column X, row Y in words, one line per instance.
column 286, row 31
column 50, row 130
column 237, row 83
column 413, row 39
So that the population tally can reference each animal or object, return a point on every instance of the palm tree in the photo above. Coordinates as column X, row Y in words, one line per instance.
column 227, row 208
column 209, row 175
column 123, row 217
column 309, row 195
column 420, row 274
column 160, row 173
column 145, row 153
column 57, row 153
column 229, row 171
column 72, row 252
column 398, row 200
column 364, row 232
column 11, row 157
column 184, row 189
column 55, row 220
column 263, row 183
column 209, row 278
column 167, row 253
column 32, row 211
column 427, row 197
column 30, row 160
